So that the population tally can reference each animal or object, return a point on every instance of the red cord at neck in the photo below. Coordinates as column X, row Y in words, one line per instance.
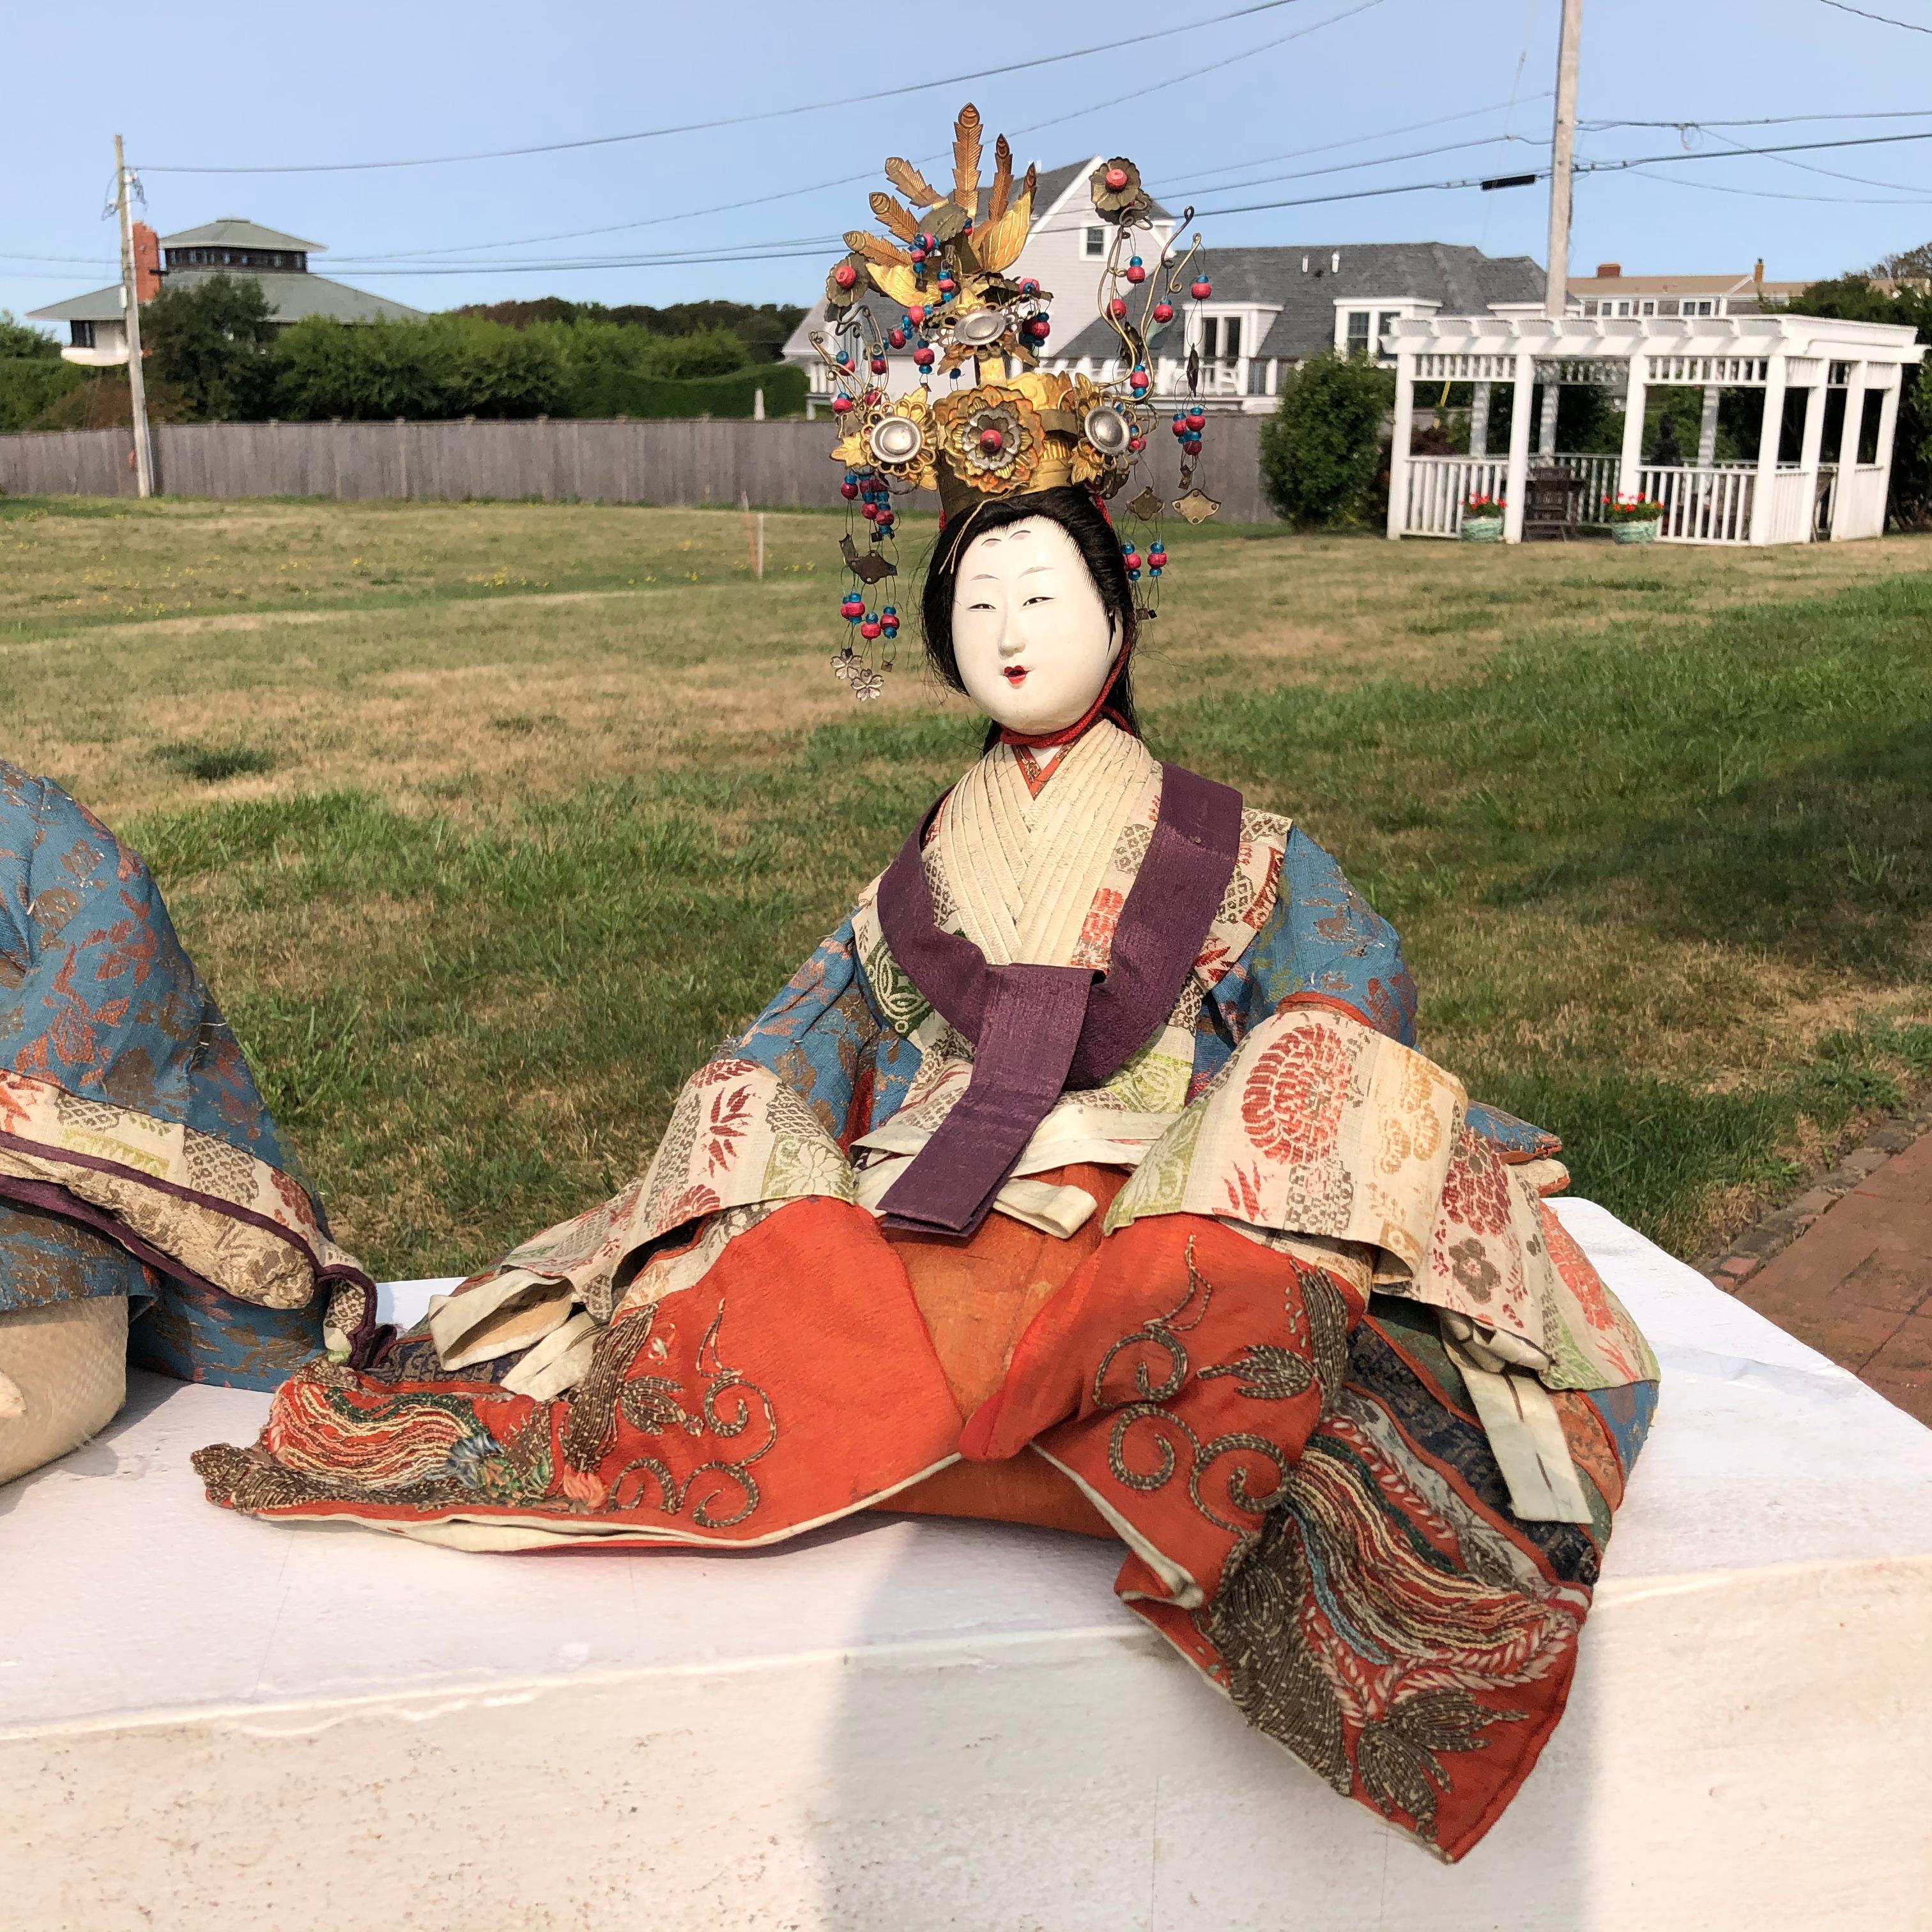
column 1041, row 741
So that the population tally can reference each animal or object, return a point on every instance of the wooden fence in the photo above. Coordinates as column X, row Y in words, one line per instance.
column 777, row 465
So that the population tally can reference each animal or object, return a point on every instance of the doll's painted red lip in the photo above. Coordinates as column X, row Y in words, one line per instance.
column 1014, row 673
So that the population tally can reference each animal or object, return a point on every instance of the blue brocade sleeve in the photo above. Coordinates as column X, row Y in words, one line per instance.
column 1321, row 938
column 825, row 1039
column 97, row 998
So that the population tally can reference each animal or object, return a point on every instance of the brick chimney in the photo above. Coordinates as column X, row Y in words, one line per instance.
column 1609, row 271
column 147, row 263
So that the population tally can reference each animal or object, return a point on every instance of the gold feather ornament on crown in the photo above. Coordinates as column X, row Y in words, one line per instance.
column 1013, row 427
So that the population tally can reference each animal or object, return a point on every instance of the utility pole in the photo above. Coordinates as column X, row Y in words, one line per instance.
column 1562, row 157
column 131, row 302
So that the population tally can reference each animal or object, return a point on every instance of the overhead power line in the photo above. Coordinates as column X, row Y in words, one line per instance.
column 1683, row 124
column 807, row 246
column 870, row 97
column 1832, row 174
column 1582, row 167
column 78, row 261
column 870, row 174
column 364, row 263
column 1353, row 140
column 601, row 265
column 1784, row 194
column 1910, row 26
column 1373, row 161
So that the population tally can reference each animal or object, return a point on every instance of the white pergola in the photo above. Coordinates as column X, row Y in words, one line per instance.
column 1769, row 500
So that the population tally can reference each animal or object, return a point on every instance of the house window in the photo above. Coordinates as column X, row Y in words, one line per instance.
column 1221, row 336
column 80, row 335
column 1358, row 331
column 1647, row 308
column 1096, row 243
column 1700, row 308
column 1385, row 322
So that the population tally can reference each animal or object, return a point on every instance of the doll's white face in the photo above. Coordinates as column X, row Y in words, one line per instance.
column 1034, row 641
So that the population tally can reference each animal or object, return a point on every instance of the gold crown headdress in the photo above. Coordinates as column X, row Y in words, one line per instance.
column 1015, row 428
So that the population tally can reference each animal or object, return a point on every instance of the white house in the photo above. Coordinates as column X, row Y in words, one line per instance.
column 1274, row 308
column 1271, row 308
column 1065, row 249
column 97, row 323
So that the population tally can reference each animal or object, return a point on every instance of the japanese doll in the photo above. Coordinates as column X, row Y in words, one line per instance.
column 1086, row 1177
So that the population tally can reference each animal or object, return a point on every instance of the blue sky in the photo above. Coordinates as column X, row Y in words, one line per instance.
column 199, row 84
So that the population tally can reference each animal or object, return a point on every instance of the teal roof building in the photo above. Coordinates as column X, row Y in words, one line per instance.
column 233, row 245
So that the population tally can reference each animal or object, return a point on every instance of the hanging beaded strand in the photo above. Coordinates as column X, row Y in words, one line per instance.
column 1119, row 281
column 871, row 633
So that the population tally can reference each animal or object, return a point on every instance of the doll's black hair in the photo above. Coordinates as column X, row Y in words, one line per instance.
column 1076, row 512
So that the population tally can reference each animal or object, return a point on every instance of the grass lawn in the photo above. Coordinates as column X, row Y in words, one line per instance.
column 487, row 821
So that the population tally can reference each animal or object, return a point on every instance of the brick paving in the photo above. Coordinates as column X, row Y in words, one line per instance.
column 1856, row 1282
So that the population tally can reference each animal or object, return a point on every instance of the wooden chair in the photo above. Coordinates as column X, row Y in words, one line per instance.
column 1552, row 502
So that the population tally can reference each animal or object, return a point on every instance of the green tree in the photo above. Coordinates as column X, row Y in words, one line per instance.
column 763, row 329
column 22, row 340
column 1853, row 298
column 213, row 341
column 1904, row 265
column 1323, row 458
column 440, row 367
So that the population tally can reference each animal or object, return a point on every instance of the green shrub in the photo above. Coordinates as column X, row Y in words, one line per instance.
column 1323, row 454
column 21, row 340
column 28, row 384
column 605, row 362
column 101, row 400
column 763, row 329
column 440, row 367
column 620, row 392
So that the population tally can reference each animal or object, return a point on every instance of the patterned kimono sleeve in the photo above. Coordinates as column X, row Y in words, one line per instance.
column 825, row 1041
column 112, row 1047
column 1322, row 943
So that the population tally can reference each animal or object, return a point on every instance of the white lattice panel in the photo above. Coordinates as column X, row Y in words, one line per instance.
column 1709, row 371
column 1444, row 368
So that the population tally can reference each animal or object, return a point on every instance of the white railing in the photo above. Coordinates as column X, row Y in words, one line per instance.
column 1792, row 496
column 1439, row 485
column 1218, row 378
column 1700, row 506
column 1861, row 510
column 1598, row 476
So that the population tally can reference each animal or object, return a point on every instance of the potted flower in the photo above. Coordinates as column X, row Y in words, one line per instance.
column 1632, row 520
column 1482, row 520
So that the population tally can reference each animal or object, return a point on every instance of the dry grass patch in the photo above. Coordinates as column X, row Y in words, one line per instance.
column 554, row 796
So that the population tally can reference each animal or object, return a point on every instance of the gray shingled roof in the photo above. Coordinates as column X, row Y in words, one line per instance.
column 237, row 231
column 291, row 297
column 1465, row 281
column 98, row 305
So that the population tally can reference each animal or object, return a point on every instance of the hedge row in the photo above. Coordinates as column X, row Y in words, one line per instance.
column 29, row 385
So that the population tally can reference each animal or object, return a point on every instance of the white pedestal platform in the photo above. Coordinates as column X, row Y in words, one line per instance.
column 212, row 1722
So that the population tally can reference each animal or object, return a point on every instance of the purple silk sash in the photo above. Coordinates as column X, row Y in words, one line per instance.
column 1039, row 1031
